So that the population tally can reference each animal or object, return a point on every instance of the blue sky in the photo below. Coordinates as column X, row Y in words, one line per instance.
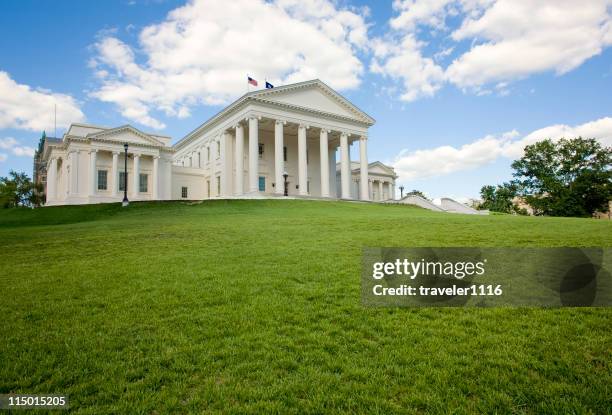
column 457, row 87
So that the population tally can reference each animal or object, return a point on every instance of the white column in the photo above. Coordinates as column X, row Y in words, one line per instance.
column 239, row 182
column 363, row 168
column 155, row 177
column 92, row 172
column 324, row 151
column 279, row 161
column 380, row 190
column 136, row 176
column 390, row 190
column 253, row 154
column 302, row 160
column 226, row 179
column 345, row 171
column 51, row 190
column 114, row 179
column 74, row 172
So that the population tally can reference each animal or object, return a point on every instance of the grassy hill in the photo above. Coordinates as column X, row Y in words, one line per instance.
column 254, row 307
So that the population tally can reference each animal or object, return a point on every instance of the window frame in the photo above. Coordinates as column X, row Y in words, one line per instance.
column 184, row 192
column 99, row 182
column 146, row 183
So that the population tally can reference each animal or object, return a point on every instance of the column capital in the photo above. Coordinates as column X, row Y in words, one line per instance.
column 157, row 157
column 304, row 126
column 278, row 122
column 363, row 137
column 136, row 155
column 345, row 134
column 325, row 129
column 93, row 150
column 253, row 117
column 237, row 125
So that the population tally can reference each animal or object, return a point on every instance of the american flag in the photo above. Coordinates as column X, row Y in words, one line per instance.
column 252, row 81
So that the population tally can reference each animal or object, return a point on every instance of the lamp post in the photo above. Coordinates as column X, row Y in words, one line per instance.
column 285, row 176
column 125, row 199
column 402, row 192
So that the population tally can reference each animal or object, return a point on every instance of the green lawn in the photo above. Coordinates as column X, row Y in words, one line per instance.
column 254, row 307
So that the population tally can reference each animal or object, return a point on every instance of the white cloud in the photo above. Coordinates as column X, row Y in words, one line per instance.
column 507, row 40
column 13, row 146
column 202, row 52
column 421, row 76
column 22, row 107
column 523, row 37
column 439, row 161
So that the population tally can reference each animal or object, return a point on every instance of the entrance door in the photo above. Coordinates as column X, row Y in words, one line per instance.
column 262, row 184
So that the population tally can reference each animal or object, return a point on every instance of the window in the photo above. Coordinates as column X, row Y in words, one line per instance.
column 218, row 185
column 284, row 154
column 308, row 186
column 123, row 178
column 218, row 149
column 208, row 153
column 199, row 160
column 262, row 184
column 208, row 188
column 261, row 151
column 307, row 157
column 190, row 162
column 184, row 192
column 143, row 183
column 102, row 179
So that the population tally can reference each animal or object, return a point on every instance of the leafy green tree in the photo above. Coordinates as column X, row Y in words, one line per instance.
column 570, row 177
column 500, row 198
column 18, row 190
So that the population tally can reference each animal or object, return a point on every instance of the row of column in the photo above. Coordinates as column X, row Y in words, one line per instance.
column 279, row 169
column 390, row 189
column 93, row 175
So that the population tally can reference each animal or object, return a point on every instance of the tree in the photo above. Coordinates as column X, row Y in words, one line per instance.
column 500, row 198
column 417, row 193
column 18, row 190
column 570, row 177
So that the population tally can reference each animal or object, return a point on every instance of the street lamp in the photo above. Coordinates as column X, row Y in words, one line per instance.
column 402, row 192
column 286, row 175
column 125, row 199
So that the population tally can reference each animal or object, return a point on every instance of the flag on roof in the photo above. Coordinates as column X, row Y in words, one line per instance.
column 269, row 85
column 252, row 81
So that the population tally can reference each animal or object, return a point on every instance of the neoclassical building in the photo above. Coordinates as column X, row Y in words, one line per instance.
column 381, row 181
column 262, row 142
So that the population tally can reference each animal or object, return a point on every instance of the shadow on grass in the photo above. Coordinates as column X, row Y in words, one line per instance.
column 59, row 215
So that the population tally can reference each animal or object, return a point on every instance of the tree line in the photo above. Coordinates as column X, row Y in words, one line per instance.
column 569, row 177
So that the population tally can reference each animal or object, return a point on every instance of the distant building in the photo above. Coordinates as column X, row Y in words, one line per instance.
column 39, row 167
column 381, row 181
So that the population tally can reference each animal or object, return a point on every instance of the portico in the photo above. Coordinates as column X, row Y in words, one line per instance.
column 296, row 129
column 88, row 165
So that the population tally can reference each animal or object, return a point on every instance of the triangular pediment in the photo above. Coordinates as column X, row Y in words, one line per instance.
column 126, row 134
column 316, row 96
column 378, row 168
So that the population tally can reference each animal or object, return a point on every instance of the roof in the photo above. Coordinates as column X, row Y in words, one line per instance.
column 355, row 166
column 261, row 96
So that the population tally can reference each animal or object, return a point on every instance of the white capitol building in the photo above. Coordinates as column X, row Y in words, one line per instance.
column 290, row 134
